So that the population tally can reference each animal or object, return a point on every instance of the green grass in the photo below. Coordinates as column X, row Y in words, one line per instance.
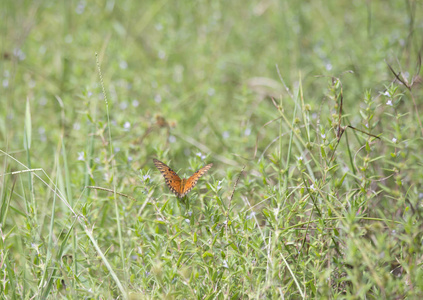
column 290, row 209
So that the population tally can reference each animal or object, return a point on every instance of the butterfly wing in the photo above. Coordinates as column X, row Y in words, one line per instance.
column 172, row 179
column 192, row 181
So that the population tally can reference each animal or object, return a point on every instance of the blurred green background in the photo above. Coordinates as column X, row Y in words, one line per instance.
column 193, row 63
column 189, row 83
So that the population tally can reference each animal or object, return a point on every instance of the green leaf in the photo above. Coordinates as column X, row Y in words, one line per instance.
column 322, row 150
column 207, row 254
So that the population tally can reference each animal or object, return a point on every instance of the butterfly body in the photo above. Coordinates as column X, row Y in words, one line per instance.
column 180, row 187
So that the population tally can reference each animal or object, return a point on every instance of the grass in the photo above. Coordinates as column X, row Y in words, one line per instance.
column 309, row 111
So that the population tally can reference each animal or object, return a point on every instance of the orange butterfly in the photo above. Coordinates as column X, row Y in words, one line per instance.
column 179, row 186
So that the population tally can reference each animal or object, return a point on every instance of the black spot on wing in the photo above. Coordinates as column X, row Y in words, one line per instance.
column 192, row 181
column 171, row 178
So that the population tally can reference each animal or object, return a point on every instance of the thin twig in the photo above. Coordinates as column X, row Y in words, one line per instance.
column 283, row 82
column 109, row 190
column 409, row 86
column 341, row 129
column 236, row 183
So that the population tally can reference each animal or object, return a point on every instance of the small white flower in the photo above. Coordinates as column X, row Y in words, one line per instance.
column 386, row 93
column 219, row 186
column 225, row 264
column 312, row 187
column 130, row 158
column 158, row 26
column 81, row 156
column 389, row 102
column 300, row 159
column 247, row 131
column 394, row 140
column 123, row 65
column 146, row 177
column 127, row 126
column 323, row 136
column 158, row 98
column 210, row 91
column 135, row 103
column 187, row 221
column 19, row 54
column 225, row 134
column 80, row 8
column 117, row 149
column 123, row 105
column 328, row 66
column 251, row 215
column 42, row 49
column 162, row 54
column 172, row 139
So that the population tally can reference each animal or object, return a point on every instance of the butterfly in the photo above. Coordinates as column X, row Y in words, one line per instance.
column 180, row 187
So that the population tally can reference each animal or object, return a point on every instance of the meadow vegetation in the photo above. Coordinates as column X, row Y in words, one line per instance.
column 310, row 112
